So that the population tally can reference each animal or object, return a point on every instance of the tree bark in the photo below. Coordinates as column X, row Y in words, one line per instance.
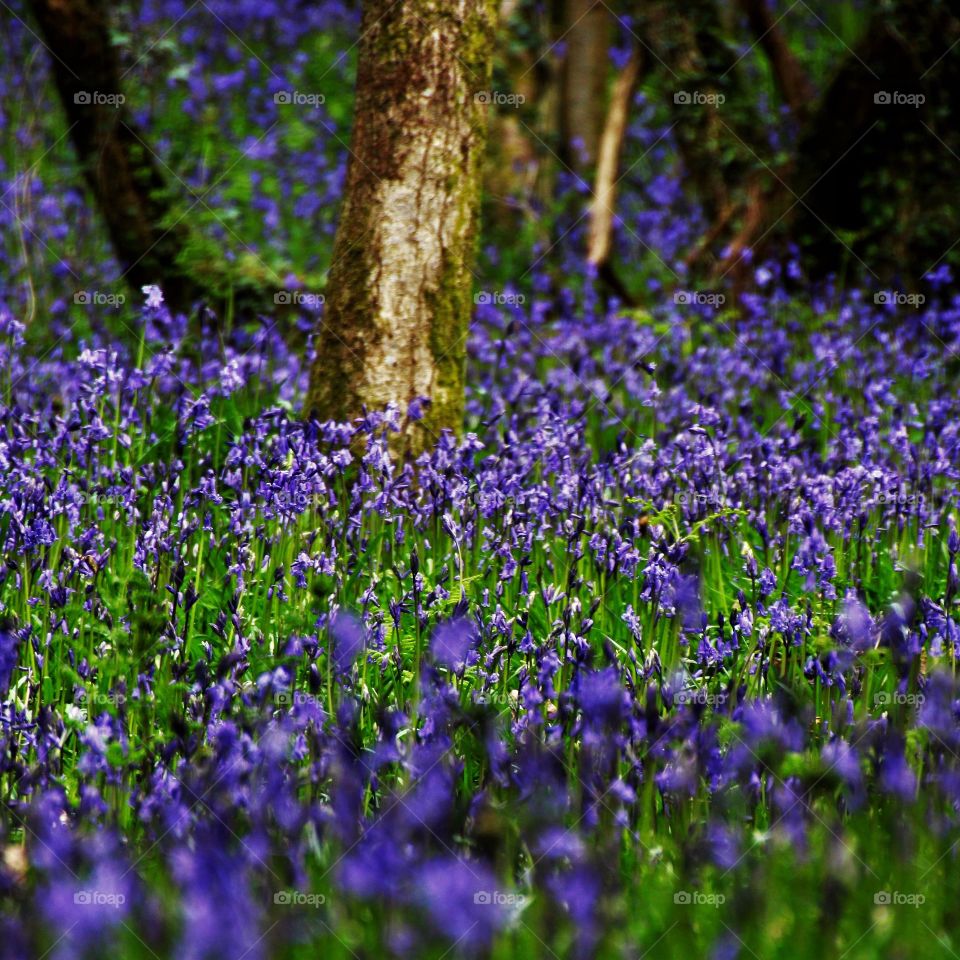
column 587, row 37
column 399, row 289
column 124, row 178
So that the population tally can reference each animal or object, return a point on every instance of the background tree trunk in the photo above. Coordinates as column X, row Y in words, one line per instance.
column 878, row 178
column 603, row 207
column 121, row 172
column 871, row 179
column 152, row 238
column 399, row 290
column 586, row 65
column 516, row 158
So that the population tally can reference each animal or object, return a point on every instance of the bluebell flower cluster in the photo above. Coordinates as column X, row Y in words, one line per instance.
column 657, row 657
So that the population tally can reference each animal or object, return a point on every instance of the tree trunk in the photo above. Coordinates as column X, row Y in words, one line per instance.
column 399, row 289
column 151, row 236
column 514, row 161
column 871, row 179
column 587, row 38
column 121, row 172
column 603, row 208
column 878, row 178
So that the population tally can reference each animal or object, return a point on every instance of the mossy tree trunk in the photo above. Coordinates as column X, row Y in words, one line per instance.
column 399, row 289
